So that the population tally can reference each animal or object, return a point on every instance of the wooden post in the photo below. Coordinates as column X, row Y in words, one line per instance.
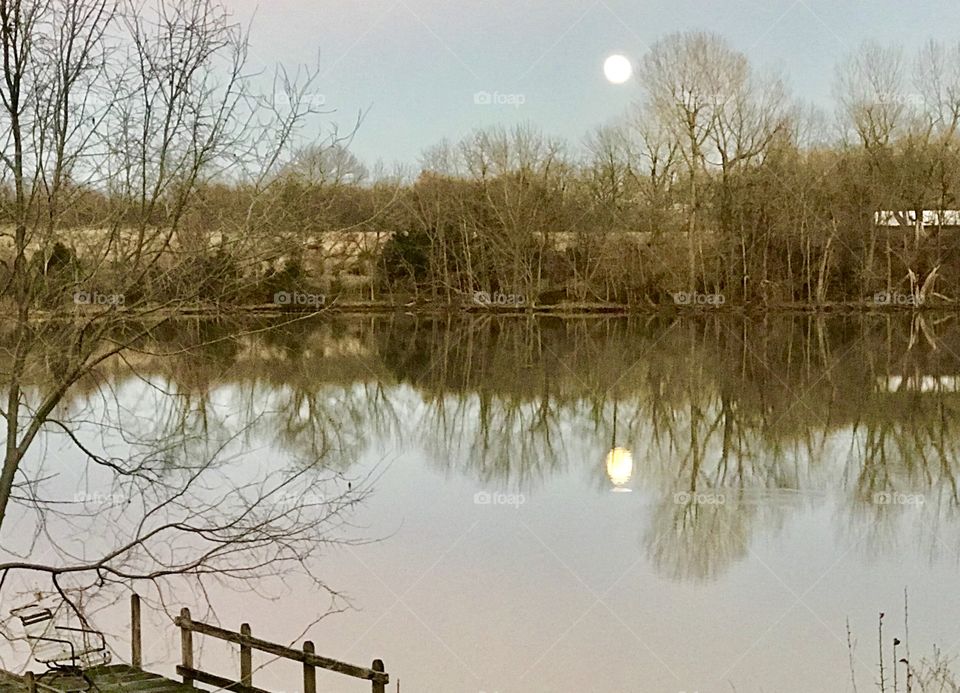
column 136, row 647
column 378, row 687
column 186, row 645
column 309, row 672
column 31, row 683
column 246, row 657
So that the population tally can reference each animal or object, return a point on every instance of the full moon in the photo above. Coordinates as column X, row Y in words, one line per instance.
column 617, row 69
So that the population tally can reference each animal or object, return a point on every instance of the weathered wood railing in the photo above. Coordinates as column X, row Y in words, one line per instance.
column 307, row 656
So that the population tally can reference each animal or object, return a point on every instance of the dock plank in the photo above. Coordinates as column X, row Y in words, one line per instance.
column 114, row 678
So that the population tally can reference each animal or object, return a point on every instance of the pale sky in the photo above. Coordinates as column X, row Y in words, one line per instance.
column 417, row 64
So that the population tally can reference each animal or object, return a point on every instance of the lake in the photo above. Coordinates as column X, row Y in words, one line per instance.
column 697, row 502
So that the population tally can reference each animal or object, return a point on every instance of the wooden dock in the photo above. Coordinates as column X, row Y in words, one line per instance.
column 114, row 678
column 126, row 678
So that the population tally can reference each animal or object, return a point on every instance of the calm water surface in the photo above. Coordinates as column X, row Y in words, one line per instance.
column 695, row 504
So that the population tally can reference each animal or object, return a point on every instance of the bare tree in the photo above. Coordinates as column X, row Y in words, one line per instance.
column 704, row 94
column 327, row 164
column 870, row 90
column 143, row 104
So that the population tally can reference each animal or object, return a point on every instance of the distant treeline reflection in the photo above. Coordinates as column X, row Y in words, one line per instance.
column 731, row 421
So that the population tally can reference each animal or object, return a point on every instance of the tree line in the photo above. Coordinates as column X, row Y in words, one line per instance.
column 716, row 181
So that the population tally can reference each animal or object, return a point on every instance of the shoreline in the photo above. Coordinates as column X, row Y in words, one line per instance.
column 446, row 309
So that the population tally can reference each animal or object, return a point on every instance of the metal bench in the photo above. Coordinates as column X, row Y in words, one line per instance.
column 60, row 647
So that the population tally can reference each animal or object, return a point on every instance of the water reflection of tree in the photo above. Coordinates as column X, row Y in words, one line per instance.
column 765, row 411
column 903, row 472
column 311, row 386
column 728, row 405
